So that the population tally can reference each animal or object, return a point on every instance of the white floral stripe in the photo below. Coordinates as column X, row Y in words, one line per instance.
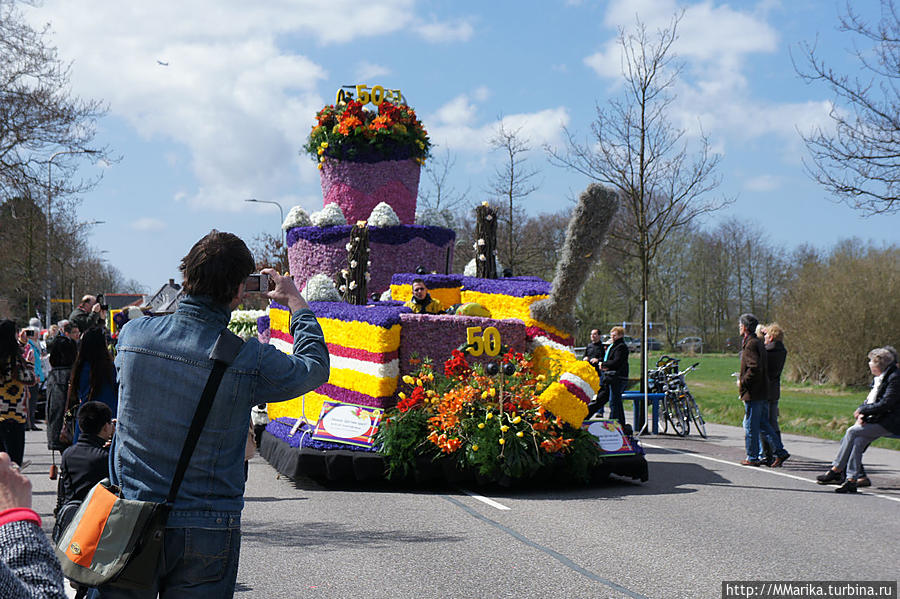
column 578, row 382
column 546, row 342
column 281, row 344
column 382, row 371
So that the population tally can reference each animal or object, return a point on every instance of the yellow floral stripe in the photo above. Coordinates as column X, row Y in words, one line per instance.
column 280, row 320
column 363, row 383
column 361, row 335
column 560, row 402
column 551, row 361
column 448, row 296
column 292, row 408
column 508, row 306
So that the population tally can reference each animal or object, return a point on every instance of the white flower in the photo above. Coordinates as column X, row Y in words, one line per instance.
column 383, row 216
column 343, row 288
column 320, row 288
column 345, row 272
column 353, row 263
column 369, row 264
column 347, row 247
column 385, row 295
column 481, row 258
column 481, row 242
column 471, row 269
column 297, row 217
column 330, row 215
column 352, row 285
column 489, row 217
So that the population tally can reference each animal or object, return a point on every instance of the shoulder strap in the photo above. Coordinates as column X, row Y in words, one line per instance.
column 222, row 354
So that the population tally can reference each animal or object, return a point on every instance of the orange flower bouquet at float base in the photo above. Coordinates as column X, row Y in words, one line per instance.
column 485, row 419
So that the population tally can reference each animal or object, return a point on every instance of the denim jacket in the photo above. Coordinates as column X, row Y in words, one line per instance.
column 163, row 364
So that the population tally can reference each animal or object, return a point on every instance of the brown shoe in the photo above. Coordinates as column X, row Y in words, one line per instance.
column 780, row 460
column 750, row 462
column 863, row 481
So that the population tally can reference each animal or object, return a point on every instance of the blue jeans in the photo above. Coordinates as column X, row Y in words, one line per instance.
column 616, row 411
column 199, row 563
column 757, row 425
column 855, row 442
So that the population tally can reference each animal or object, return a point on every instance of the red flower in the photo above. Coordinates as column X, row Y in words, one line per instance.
column 457, row 366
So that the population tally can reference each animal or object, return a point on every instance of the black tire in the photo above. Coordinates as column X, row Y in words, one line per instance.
column 676, row 416
column 696, row 416
column 663, row 420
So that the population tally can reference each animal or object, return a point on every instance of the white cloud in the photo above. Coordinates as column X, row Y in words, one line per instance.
column 148, row 224
column 434, row 31
column 366, row 71
column 763, row 183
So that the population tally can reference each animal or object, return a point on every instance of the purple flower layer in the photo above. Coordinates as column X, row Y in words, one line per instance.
column 275, row 305
column 262, row 323
column 351, row 396
column 358, row 187
column 309, row 258
column 437, row 335
column 281, row 428
column 395, row 235
column 431, row 281
column 515, row 287
column 380, row 316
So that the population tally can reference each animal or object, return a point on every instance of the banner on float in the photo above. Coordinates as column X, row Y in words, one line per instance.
column 610, row 436
column 348, row 423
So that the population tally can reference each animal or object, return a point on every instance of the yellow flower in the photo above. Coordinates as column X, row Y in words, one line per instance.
column 321, row 151
column 475, row 447
column 520, row 434
column 484, row 395
column 492, row 392
column 419, row 382
column 504, row 428
column 489, row 415
column 541, row 377
column 320, row 166
column 407, row 379
column 324, row 144
column 430, row 393
column 401, row 395
column 480, row 425
column 517, row 420
column 501, row 441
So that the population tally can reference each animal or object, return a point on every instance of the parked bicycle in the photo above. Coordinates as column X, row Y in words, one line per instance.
column 678, row 406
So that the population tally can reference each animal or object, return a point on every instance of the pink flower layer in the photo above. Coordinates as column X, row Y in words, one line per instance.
column 350, row 396
column 307, row 258
column 576, row 391
column 276, row 334
column 533, row 332
column 361, row 354
column 436, row 335
column 357, row 187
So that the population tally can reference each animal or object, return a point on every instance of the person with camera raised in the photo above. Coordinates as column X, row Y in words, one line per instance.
column 88, row 314
column 164, row 363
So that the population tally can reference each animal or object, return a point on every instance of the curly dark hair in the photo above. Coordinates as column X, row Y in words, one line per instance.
column 216, row 266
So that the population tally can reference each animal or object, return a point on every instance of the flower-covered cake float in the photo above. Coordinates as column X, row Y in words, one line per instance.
column 490, row 391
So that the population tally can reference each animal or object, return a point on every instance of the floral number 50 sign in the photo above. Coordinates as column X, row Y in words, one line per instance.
column 376, row 94
column 487, row 343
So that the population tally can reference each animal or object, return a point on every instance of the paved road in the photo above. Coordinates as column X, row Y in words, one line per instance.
column 699, row 520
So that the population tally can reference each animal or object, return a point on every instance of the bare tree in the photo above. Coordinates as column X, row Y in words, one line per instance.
column 637, row 151
column 439, row 196
column 859, row 161
column 38, row 115
column 512, row 183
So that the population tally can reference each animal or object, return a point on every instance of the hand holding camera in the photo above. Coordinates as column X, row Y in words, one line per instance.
column 276, row 287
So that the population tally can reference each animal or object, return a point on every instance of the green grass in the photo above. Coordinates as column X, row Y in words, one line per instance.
column 823, row 411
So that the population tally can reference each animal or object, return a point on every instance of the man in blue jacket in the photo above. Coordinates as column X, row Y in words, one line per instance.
column 163, row 365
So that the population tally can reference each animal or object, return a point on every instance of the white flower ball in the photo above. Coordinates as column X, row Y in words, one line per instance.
column 320, row 288
column 383, row 216
column 471, row 269
column 385, row 295
column 297, row 217
column 330, row 215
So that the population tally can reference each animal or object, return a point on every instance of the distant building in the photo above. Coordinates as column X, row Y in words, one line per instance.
column 117, row 301
column 165, row 301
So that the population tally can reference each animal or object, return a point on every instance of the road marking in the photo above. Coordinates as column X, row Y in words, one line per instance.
column 552, row 553
column 758, row 469
column 484, row 499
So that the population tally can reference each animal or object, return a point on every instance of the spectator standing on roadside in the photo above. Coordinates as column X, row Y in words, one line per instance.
column 593, row 354
column 163, row 366
column 616, row 360
column 28, row 566
column 63, row 350
column 753, row 387
column 15, row 376
column 88, row 314
column 34, row 354
column 776, row 355
column 93, row 374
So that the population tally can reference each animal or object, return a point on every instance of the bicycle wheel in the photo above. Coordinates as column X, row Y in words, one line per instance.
column 696, row 416
column 675, row 415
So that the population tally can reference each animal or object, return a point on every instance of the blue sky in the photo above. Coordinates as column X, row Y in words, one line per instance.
column 226, row 119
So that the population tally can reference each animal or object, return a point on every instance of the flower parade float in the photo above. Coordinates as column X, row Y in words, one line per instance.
column 490, row 393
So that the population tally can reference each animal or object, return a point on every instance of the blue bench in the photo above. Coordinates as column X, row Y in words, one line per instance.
column 638, row 398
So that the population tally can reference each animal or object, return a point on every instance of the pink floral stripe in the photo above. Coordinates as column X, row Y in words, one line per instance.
column 532, row 332
column 276, row 334
column 361, row 354
column 575, row 390
column 351, row 396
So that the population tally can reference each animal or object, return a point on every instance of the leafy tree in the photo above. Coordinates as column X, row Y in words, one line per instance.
column 859, row 160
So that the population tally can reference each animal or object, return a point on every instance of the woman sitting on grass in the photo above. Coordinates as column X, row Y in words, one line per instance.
column 878, row 417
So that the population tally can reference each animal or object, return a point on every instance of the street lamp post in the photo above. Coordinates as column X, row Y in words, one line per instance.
column 48, row 286
column 280, row 210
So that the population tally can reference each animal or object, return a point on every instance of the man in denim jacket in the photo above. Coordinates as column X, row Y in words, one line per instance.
column 163, row 364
